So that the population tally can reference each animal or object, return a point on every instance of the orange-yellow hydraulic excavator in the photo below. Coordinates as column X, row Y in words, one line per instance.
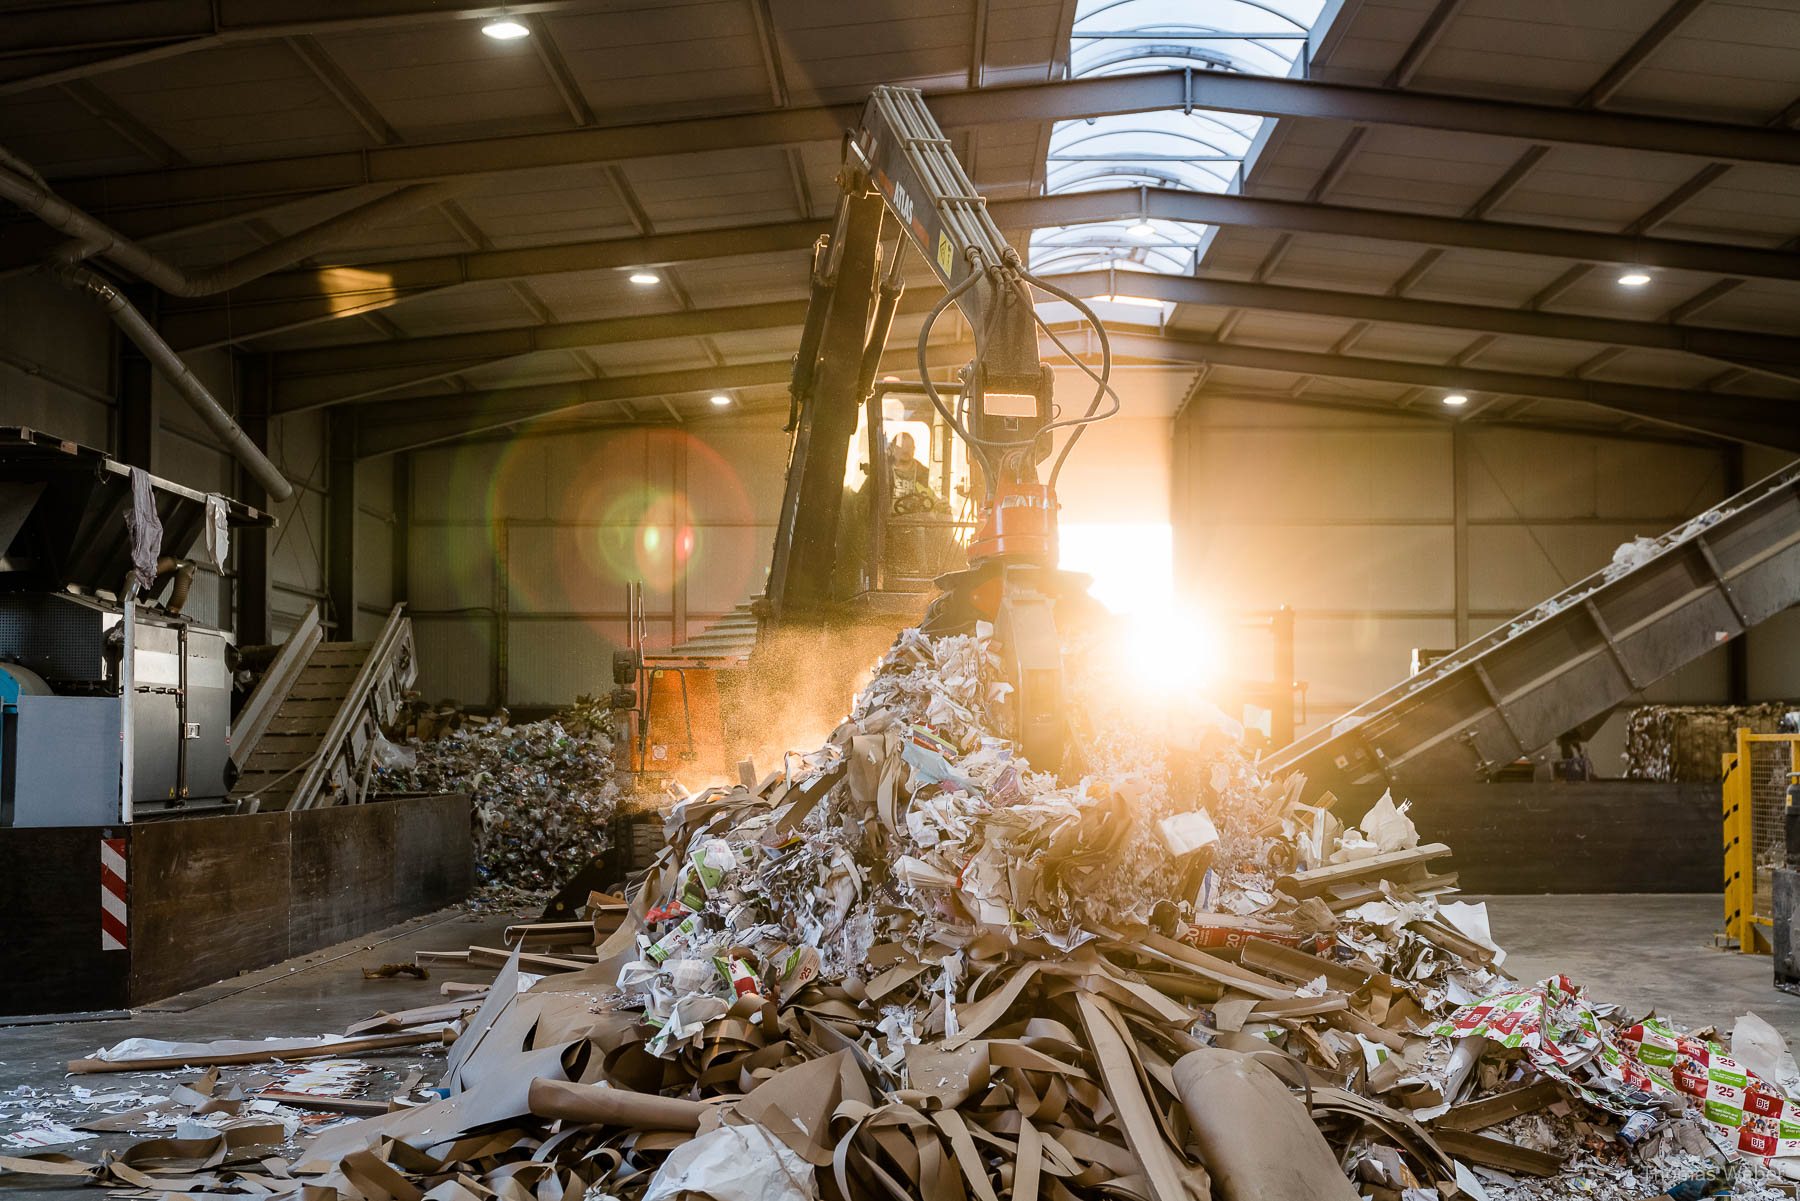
column 899, row 168
column 694, row 710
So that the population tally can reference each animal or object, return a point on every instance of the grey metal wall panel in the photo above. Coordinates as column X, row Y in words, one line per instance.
column 456, row 659
column 1351, row 518
column 450, row 566
column 551, row 662
column 374, row 561
column 67, row 762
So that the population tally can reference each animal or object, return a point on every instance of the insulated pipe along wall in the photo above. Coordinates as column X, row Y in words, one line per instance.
column 24, row 187
column 95, row 238
column 133, row 325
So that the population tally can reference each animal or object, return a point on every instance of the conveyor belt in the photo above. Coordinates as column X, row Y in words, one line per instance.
column 306, row 735
column 1572, row 658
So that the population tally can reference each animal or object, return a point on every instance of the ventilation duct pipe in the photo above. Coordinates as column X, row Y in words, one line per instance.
column 95, row 238
column 23, row 186
column 133, row 325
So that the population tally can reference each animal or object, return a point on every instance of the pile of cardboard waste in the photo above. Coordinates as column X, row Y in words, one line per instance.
column 906, row 965
column 1689, row 742
column 544, row 792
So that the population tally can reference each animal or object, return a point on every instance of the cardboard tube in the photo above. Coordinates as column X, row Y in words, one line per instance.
column 612, row 1106
column 1255, row 1136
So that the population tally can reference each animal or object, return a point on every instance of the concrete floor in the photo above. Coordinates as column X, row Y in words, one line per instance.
column 1643, row 952
column 314, row 994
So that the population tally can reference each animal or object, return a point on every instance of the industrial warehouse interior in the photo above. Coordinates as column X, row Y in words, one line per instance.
column 975, row 600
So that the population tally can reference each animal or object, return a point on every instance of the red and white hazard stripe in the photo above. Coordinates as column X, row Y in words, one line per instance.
column 112, row 894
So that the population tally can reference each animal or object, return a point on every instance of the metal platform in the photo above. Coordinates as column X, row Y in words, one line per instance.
column 1571, row 658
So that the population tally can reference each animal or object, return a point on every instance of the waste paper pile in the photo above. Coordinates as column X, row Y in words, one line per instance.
column 544, row 792
column 907, row 965
column 1688, row 742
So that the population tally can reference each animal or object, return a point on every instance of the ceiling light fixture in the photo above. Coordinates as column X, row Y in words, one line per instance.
column 720, row 400
column 1634, row 279
column 1456, row 399
column 504, row 29
column 645, row 277
column 1141, row 229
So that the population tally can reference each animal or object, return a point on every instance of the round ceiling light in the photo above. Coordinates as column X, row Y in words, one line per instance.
column 505, row 29
column 720, row 400
column 1456, row 400
column 1142, row 229
column 645, row 277
column 1634, row 279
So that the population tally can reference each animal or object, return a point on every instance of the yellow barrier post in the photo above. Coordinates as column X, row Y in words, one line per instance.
column 1739, row 867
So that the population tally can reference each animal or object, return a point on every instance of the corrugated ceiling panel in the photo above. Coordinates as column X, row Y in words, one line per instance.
column 1480, row 277
column 1599, row 294
column 550, row 367
column 56, row 135
column 1737, row 61
column 1237, row 251
column 762, row 343
column 1413, row 343
column 833, row 48
column 1196, row 319
column 1298, row 152
column 429, row 80
column 1341, row 262
column 682, row 56
column 256, row 100
column 475, row 306
column 1503, row 43
column 1764, row 305
column 1259, row 327
column 537, row 207
column 1377, row 35
column 637, row 358
column 701, row 191
column 1658, row 368
column 1426, row 171
column 1593, row 187
column 1535, row 356
column 591, row 295
column 1747, row 204
column 747, row 278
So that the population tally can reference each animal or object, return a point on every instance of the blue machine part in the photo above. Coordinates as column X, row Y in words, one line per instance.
column 15, row 682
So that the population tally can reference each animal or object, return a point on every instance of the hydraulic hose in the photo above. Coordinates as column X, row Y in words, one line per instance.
column 1102, row 380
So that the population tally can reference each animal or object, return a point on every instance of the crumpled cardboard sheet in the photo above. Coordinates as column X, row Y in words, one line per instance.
column 924, row 968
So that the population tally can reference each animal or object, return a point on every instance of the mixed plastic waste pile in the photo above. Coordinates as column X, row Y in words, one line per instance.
column 544, row 792
column 906, row 965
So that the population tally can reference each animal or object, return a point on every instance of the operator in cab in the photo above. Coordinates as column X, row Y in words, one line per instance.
column 907, row 468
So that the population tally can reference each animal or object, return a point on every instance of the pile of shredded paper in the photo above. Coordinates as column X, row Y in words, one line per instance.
column 906, row 965
column 544, row 792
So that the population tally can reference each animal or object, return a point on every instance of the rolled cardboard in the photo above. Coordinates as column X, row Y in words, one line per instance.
column 612, row 1106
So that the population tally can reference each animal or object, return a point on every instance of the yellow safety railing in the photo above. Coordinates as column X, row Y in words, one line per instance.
column 1753, row 797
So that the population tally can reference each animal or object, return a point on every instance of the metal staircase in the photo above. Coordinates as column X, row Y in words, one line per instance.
column 307, row 735
column 727, row 642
